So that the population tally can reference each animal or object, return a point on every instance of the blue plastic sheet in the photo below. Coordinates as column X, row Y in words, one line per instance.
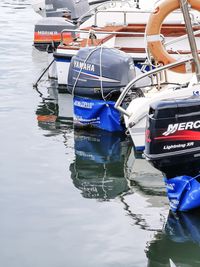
column 183, row 192
column 97, row 113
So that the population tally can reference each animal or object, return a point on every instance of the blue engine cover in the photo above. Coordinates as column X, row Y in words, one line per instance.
column 96, row 114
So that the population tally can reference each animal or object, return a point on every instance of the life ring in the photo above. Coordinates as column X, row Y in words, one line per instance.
column 153, row 30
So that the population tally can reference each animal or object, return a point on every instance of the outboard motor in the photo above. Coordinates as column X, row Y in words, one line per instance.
column 47, row 35
column 64, row 8
column 60, row 8
column 60, row 15
column 96, row 78
column 173, row 146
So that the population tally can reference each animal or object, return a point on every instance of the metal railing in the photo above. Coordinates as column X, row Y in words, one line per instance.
column 95, row 9
column 177, row 39
column 124, row 12
column 99, row 32
column 181, row 38
column 140, row 77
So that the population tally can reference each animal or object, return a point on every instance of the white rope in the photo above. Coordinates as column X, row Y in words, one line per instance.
column 76, row 81
column 100, row 72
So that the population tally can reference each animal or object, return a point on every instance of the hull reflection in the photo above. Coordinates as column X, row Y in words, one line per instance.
column 54, row 111
column 178, row 243
column 144, row 178
column 98, row 170
column 105, row 167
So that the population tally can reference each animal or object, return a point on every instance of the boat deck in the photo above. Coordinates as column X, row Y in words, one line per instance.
column 127, row 38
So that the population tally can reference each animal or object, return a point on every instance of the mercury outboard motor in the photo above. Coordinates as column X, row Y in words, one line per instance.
column 60, row 15
column 96, row 78
column 173, row 146
column 173, row 136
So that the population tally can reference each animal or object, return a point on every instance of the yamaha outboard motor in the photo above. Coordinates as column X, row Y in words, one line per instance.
column 60, row 15
column 96, row 78
column 173, row 146
column 100, row 72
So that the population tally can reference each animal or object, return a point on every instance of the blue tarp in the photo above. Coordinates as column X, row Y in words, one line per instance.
column 97, row 113
column 183, row 192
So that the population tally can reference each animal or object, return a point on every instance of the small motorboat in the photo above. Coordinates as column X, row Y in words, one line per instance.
column 57, row 15
column 95, row 84
column 96, row 74
column 173, row 147
column 173, row 136
column 121, row 25
column 173, row 80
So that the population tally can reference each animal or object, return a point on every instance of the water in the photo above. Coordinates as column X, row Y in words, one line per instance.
column 73, row 198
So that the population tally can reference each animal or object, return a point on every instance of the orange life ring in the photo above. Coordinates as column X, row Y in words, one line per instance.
column 153, row 30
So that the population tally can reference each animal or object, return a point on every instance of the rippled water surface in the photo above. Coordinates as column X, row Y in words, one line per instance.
column 73, row 198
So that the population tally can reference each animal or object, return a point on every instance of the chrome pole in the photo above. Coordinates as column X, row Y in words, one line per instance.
column 142, row 76
column 191, row 38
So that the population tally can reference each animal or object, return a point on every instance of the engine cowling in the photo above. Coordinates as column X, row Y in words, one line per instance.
column 101, row 71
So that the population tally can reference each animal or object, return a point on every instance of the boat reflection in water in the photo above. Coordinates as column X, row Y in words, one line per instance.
column 55, row 110
column 105, row 165
column 105, row 168
column 98, row 169
column 144, row 178
column 179, row 242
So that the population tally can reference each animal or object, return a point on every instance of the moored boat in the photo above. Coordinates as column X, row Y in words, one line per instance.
column 173, row 137
column 173, row 147
column 123, row 27
column 165, row 83
column 56, row 16
column 95, row 83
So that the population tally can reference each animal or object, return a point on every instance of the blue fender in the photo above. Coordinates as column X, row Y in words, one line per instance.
column 183, row 192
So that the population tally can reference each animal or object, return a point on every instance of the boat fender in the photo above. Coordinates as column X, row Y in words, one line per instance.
column 183, row 192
